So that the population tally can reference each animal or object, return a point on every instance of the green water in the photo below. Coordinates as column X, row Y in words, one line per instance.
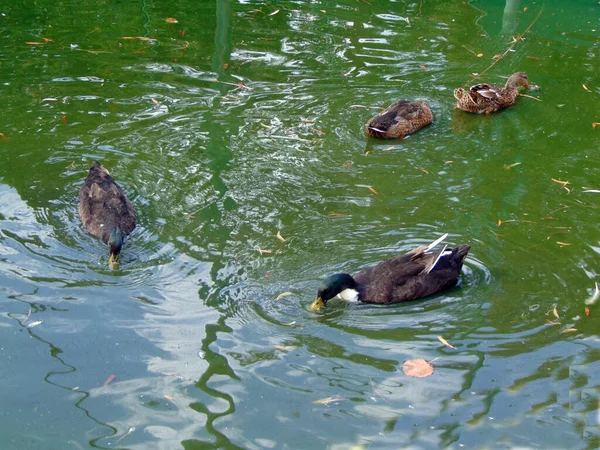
column 203, row 353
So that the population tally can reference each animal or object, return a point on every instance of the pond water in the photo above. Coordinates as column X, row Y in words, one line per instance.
column 243, row 120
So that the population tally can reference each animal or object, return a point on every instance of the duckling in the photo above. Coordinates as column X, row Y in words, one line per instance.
column 485, row 98
column 105, row 210
column 416, row 274
column 399, row 120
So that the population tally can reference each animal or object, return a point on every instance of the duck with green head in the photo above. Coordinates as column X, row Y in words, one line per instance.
column 416, row 274
column 105, row 210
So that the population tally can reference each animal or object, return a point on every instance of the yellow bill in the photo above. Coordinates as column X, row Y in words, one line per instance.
column 317, row 304
column 113, row 261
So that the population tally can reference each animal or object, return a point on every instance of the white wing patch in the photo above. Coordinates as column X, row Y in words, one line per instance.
column 349, row 295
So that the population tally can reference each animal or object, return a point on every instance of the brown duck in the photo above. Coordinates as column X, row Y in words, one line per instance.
column 105, row 210
column 400, row 119
column 416, row 274
column 485, row 98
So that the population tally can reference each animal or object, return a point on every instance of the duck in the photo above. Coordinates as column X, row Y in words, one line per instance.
column 486, row 99
column 105, row 210
column 400, row 119
column 410, row 276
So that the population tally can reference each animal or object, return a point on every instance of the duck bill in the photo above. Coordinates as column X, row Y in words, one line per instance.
column 317, row 304
column 113, row 261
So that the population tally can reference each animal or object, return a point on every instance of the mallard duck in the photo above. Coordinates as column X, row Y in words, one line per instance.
column 400, row 119
column 485, row 98
column 105, row 210
column 411, row 276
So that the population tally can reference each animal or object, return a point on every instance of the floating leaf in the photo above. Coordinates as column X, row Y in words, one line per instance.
column 555, row 312
column 168, row 397
column 562, row 244
column 109, row 379
column 417, row 368
column 421, row 66
column 585, row 87
column 337, row 215
column 284, row 348
column 569, row 330
column 274, row 12
column 263, row 251
column 288, row 324
column 533, row 57
column 596, row 191
column 587, row 311
column 327, row 400
column 171, row 20
column 510, row 166
column 594, row 298
column 595, row 124
column 424, row 170
column 284, row 294
column 372, row 189
column 280, row 237
column 139, row 38
column 35, row 324
column 445, row 342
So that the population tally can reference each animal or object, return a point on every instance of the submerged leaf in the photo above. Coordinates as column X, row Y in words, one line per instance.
column 595, row 296
column 417, row 368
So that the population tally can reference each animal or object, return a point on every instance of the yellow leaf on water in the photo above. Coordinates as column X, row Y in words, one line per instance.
column 274, row 12
column 337, row 215
column 109, row 379
column 555, row 312
column 283, row 348
column 280, row 237
column 171, row 20
column 263, row 251
column 587, row 311
column 417, row 368
column 168, row 397
column 445, row 342
column 510, row 166
column 372, row 189
column 288, row 324
column 327, row 400
column 595, row 124
column 585, row 87
column 569, row 330
column 284, row 294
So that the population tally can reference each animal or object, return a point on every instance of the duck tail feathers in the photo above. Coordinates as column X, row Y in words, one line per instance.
column 436, row 242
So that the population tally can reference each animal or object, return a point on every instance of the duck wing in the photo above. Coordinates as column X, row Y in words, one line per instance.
column 401, row 111
column 103, row 205
column 414, row 275
column 484, row 92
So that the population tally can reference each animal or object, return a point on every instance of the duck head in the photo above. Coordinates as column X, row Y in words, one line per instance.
column 340, row 284
column 518, row 79
column 115, row 242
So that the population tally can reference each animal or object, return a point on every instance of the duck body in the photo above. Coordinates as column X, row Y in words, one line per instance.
column 399, row 120
column 413, row 275
column 486, row 98
column 105, row 210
